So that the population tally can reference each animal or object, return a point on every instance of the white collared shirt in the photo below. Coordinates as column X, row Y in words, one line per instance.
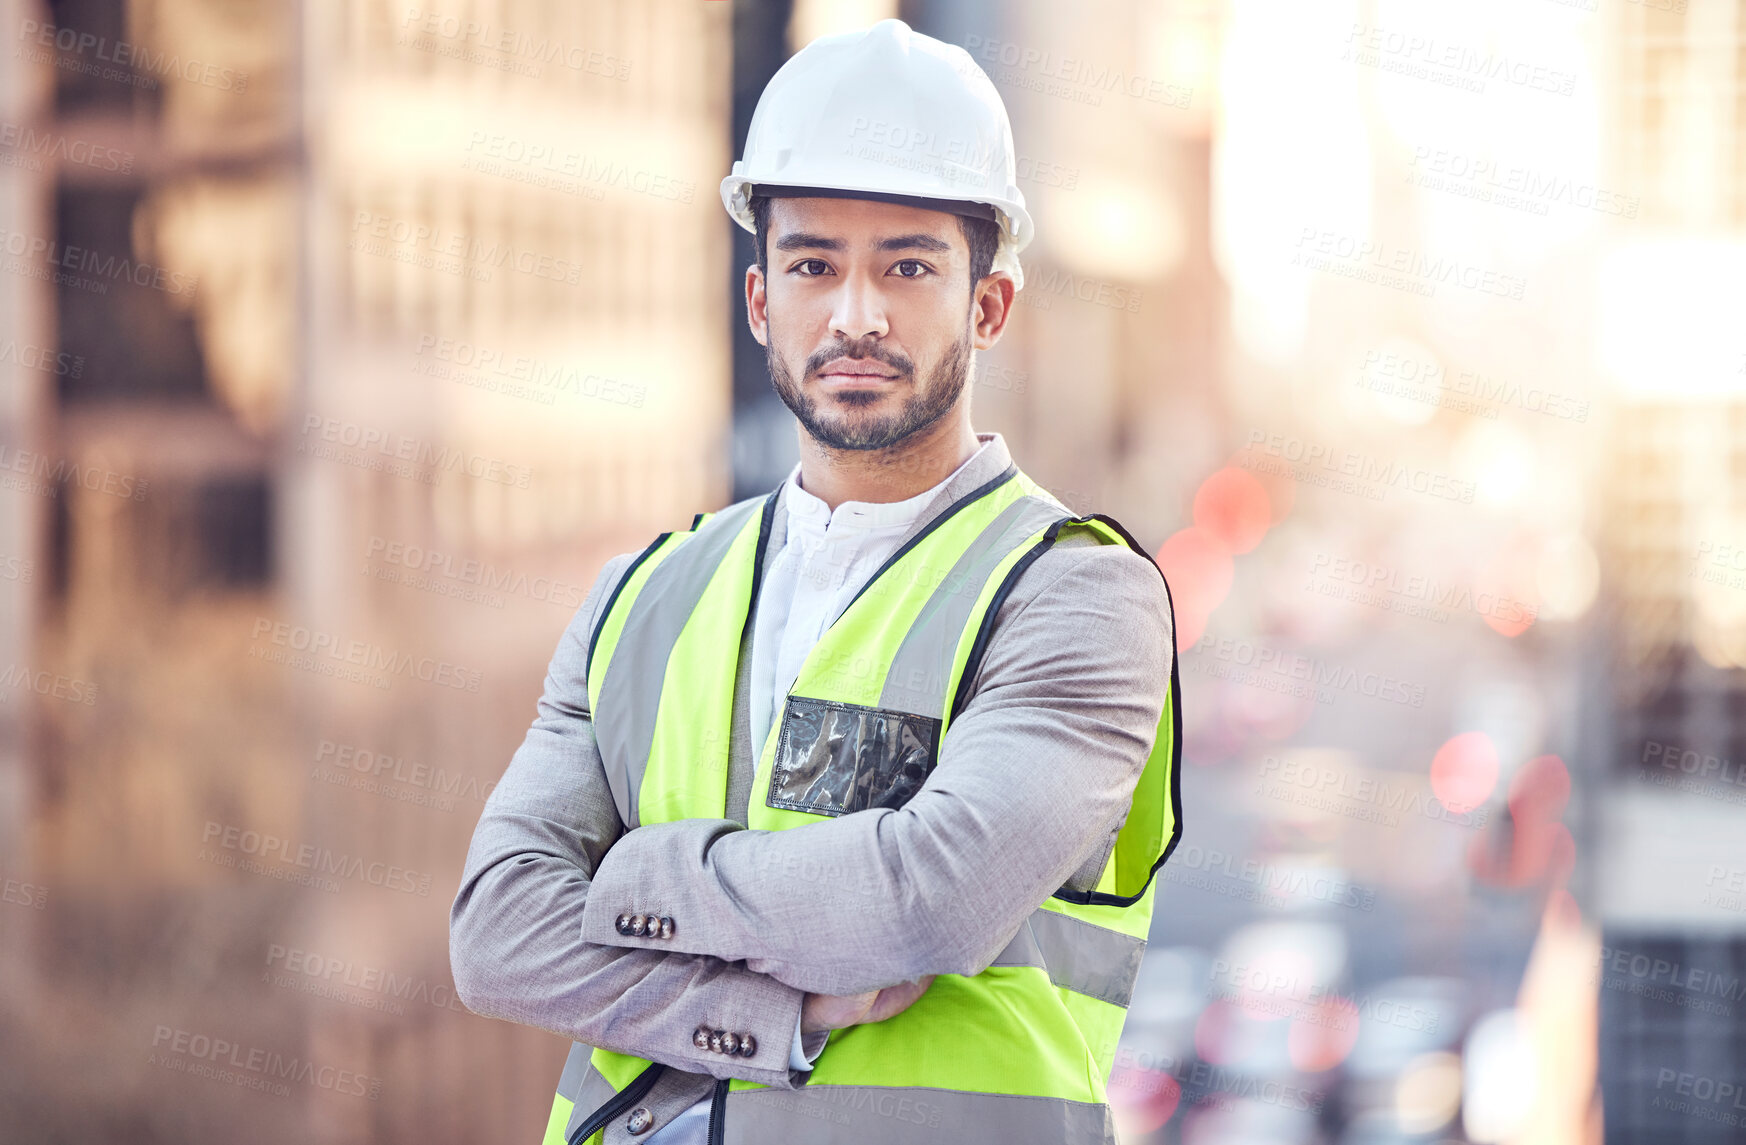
column 826, row 558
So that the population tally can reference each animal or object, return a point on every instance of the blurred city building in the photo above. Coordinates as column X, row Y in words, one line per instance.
column 1671, row 876
column 358, row 337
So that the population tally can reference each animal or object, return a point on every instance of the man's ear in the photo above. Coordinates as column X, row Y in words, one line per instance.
column 991, row 308
column 757, row 317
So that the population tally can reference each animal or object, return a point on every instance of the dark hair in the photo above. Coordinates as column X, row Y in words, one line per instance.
column 982, row 236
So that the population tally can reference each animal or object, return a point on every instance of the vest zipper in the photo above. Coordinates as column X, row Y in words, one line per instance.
column 623, row 1100
column 718, row 1113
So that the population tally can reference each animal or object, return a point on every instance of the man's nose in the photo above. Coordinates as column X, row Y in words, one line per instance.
column 858, row 310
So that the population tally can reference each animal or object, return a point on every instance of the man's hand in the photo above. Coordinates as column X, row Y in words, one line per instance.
column 835, row 1011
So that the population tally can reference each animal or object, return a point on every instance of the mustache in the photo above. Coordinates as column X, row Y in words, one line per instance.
column 861, row 351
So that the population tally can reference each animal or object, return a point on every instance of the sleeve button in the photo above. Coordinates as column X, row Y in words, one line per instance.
column 730, row 1043
column 623, row 924
column 666, row 927
column 748, row 1045
column 700, row 1037
column 715, row 1040
column 639, row 924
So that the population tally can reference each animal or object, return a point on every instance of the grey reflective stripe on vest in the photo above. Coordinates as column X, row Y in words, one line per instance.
column 1079, row 956
column 862, row 1114
column 592, row 1090
column 631, row 691
column 919, row 671
column 1022, row 950
column 576, row 1067
column 1086, row 958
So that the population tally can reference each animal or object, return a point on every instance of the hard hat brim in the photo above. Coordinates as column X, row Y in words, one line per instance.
column 737, row 192
column 968, row 207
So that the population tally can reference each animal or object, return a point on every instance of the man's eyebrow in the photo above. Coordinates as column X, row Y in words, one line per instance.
column 918, row 241
column 806, row 240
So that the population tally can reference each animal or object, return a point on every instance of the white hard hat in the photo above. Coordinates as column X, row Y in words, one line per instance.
column 890, row 114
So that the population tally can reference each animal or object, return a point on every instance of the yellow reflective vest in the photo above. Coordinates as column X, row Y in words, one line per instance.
column 1017, row 1053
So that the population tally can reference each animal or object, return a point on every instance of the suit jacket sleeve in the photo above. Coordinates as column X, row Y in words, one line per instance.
column 1034, row 775
column 514, row 928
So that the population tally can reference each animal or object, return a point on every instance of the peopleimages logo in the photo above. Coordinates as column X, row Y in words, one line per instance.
column 1386, row 264
column 1307, row 669
column 1373, row 798
column 421, row 562
column 512, row 157
column 1386, row 587
column 46, row 683
column 49, row 473
column 34, row 145
column 1465, row 391
column 1715, row 1099
column 1353, row 472
column 262, row 847
column 394, row 448
column 40, row 253
column 186, row 1051
column 1449, row 63
column 1700, row 764
column 32, row 895
column 36, row 358
column 454, row 252
column 549, row 376
column 1204, row 1084
column 342, row 980
column 1693, row 987
column 132, row 63
column 353, row 659
column 1085, row 80
column 1263, row 991
column 514, row 50
column 1506, row 184
column 395, row 777
column 1256, row 881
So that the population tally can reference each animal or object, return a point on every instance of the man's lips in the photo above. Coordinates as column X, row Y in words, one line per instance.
column 856, row 373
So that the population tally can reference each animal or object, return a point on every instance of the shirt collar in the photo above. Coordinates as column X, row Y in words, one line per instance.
column 803, row 506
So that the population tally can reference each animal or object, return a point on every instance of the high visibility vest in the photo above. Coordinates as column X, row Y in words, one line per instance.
column 1018, row 1053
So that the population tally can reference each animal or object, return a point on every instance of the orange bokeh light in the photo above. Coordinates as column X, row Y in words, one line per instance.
column 1144, row 1098
column 1321, row 1039
column 1199, row 571
column 1506, row 594
column 1540, row 789
column 1464, row 771
column 1213, row 1032
column 1232, row 508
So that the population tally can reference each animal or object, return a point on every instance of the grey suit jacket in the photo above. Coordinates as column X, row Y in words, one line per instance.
column 1034, row 780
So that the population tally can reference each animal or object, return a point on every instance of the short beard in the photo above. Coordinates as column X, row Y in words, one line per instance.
column 925, row 407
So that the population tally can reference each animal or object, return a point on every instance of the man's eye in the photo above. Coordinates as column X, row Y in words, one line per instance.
column 916, row 269
column 818, row 266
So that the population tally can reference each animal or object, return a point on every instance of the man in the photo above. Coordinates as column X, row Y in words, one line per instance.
column 840, row 816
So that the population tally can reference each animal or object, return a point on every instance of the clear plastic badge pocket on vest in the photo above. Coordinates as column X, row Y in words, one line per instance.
column 833, row 758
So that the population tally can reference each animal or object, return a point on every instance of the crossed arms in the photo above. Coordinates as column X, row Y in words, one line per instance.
column 1034, row 778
